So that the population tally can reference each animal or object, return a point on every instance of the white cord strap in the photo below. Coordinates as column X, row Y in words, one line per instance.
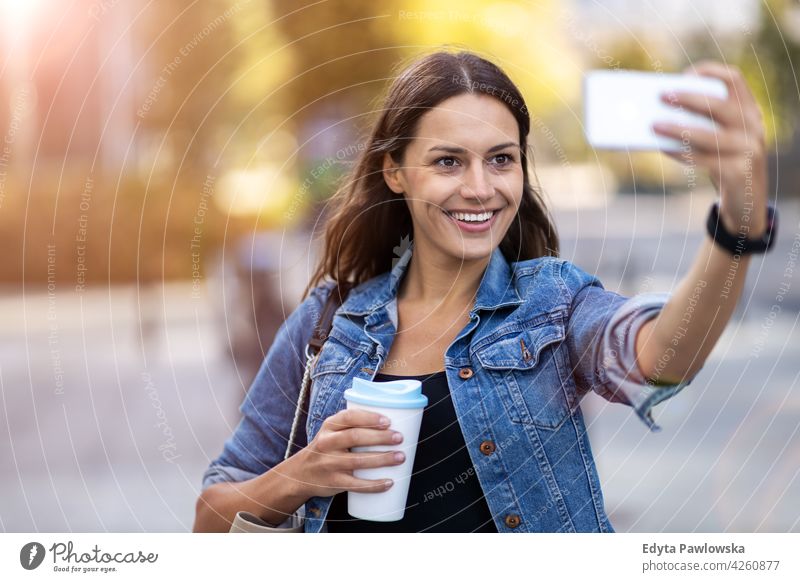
column 311, row 359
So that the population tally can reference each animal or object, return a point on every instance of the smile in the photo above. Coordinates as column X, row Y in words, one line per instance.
column 473, row 222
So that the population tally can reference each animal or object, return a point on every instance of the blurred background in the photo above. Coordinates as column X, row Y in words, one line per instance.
column 164, row 168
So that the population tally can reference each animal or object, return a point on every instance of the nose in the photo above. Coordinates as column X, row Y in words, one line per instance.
column 477, row 185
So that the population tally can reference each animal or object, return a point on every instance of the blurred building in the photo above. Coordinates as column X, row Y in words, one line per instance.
column 71, row 80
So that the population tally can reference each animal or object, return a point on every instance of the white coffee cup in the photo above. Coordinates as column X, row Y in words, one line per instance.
column 403, row 403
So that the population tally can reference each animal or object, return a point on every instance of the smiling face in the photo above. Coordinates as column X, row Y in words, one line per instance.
column 461, row 176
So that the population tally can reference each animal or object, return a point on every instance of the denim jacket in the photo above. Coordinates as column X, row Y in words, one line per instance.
column 542, row 334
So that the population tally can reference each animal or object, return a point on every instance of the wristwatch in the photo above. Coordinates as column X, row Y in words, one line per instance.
column 737, row 244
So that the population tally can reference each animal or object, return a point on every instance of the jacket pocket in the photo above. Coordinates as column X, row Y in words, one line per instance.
column 528, row 370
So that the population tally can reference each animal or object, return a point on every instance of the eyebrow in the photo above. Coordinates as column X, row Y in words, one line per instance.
column 457, row 150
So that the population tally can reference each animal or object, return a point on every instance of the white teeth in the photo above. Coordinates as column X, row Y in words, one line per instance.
column 471, row 217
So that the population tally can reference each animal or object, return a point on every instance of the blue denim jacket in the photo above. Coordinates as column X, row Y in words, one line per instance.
column 542, row 334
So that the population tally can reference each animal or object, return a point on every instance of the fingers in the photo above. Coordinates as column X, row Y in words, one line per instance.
column 351, row 417
column 339, row 470
column 332, row 463
column 366, row 485
column 702, row 141
column 740, row 96
column 719, row 110
column 341, row 440
column 685, row 156
column 728, row 74
column 372, row 460
column 740, row 109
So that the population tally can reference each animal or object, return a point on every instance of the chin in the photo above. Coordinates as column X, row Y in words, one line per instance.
column 473, row 250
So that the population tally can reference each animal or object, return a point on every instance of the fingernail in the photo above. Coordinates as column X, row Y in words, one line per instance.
column 388, row 483
column 399, row 457
column 397, row 437
column 384, row 421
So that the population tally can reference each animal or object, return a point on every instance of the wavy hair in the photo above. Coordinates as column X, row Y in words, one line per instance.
column 368, row 220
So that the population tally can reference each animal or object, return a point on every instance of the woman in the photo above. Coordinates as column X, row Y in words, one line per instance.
column 506, row 337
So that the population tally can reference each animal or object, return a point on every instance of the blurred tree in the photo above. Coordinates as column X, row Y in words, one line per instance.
column 263, row 61
column 525, row 38
column 188, row 65
column 767, row 53
column 770, row 66
column 344, row 52
column 188, row 68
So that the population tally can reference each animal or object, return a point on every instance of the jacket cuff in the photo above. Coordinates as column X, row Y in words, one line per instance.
column 221, row 474
column 618, row 368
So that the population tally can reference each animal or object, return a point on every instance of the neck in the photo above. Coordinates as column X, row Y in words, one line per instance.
column 440, row 281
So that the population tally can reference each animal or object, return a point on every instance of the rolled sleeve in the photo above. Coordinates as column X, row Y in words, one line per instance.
column 222, row 474
column 601, row 339
column 619, row 370
column 259, row 441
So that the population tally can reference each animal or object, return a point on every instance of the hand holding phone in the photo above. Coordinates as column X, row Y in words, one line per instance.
column 620, row 107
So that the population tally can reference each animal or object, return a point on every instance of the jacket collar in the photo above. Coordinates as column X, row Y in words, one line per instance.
column 496, row 289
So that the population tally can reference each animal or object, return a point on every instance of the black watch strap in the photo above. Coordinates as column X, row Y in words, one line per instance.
column 738, row 244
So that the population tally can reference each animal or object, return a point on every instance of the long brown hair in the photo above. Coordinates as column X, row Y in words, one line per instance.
column 368, row 220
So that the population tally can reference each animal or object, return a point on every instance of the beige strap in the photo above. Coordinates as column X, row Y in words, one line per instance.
column 245, row 522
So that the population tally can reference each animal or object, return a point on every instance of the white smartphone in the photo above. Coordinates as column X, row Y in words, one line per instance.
column 621, row 106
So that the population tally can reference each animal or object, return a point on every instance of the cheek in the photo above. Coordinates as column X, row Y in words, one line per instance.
column 414, row 175
column 430, row 176
column 427, row 194
column 422, row 211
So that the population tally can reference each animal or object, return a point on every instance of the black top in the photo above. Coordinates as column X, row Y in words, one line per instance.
column 444, row 494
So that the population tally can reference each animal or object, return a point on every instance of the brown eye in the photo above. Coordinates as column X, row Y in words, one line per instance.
column 503, row 159
column 446, row 162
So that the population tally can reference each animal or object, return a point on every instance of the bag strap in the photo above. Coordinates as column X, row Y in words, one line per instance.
column 323, row 328
column 318, row 338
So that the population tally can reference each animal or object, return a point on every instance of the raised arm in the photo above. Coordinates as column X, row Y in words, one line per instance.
column 674, row 345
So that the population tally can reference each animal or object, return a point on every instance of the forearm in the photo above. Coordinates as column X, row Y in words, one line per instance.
column 273, row 497
column 674, row 345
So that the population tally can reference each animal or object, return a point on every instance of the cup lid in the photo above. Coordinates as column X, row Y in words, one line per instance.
column 404, row 393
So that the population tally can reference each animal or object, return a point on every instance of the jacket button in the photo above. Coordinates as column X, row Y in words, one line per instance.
column 487, row 447
column 465, row 373
column 512, row 520
column 315, row 511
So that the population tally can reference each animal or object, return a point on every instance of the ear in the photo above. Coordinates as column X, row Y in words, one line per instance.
column 391, row 174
